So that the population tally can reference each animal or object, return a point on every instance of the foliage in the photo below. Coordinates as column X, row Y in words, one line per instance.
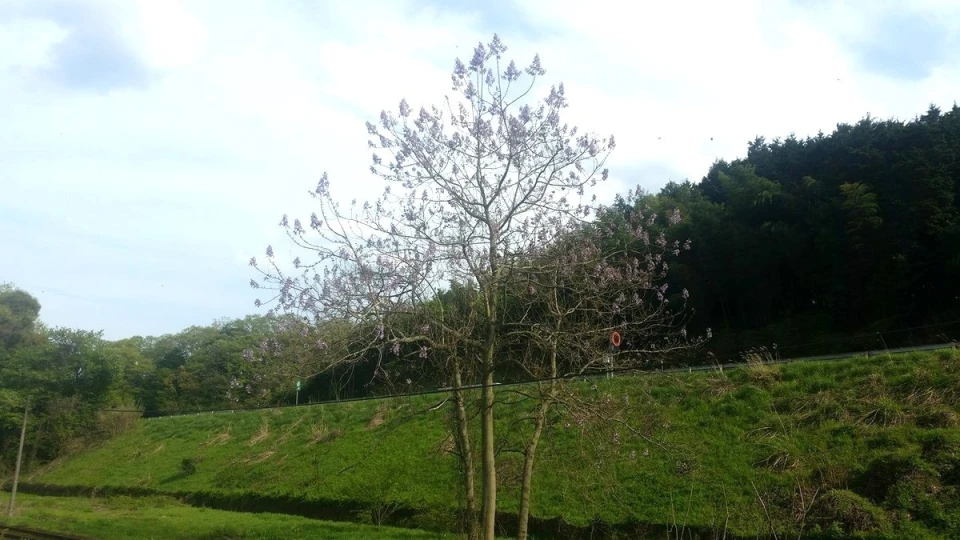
column 805, row 242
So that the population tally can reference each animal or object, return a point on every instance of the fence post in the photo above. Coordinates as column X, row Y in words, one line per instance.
column 16, row 474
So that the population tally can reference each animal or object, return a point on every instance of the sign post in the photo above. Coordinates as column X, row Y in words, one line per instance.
column 298, row 391
column 614, row 345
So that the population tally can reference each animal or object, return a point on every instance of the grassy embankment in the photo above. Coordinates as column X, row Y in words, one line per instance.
column 865, row 444
column 160, row 518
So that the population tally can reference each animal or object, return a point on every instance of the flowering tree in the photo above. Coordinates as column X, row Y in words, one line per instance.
column 468, row 184
column 577, row 293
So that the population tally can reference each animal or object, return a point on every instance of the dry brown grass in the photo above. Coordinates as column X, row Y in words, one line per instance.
column 446, row 446
column 220, row 438
column 262, row 457
column 261, row 435
column 321, row 433
column 378, row 418
column 924, row 399
column 780, row 461
column 289, row 431
column 760, row 367
column 884, row 415
column 718, row 386
column 259, row 458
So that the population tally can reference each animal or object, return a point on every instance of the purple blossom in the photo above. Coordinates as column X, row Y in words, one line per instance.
column 396, row 348
column 709, row 333
column 321, row 344
column 675, row 216
column 379, row 331
column 425, row 329
column 269, row 252
column 512, row 73
column 479, row 56
column 535, row 69
column 423, row 352
column 661, row 240
column 304, row 331
column 497, row 47
column 685, row 294
column 404, row 108
column 323, row 186
column 254, row 284
column 459, row 70
column 248, row 356
column 253, row 261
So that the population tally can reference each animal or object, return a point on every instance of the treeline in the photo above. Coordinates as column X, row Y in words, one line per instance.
column 75, row 379
column 847, row 241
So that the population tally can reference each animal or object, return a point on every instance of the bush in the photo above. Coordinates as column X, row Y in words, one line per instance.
column 188, row 466
column 844, row 511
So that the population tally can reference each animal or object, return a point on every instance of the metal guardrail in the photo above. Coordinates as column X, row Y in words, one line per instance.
column 632, row 372
column 836, row 356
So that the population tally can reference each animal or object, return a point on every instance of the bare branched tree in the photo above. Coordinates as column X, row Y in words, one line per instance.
column 469, row 184
column 590, row 301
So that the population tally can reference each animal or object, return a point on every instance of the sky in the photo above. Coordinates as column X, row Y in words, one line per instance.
column 149, row 148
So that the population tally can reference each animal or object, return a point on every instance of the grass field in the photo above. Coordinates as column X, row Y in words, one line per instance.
column 161, row 518
column 865, row 445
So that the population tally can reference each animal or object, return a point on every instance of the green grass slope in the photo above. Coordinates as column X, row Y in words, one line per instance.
column 162, row 518
column 865, row 446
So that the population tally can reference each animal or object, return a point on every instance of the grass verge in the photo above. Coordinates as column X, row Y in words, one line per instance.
column 864, row 446
column 164, row 518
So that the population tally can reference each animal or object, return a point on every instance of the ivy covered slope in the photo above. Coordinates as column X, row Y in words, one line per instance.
column 866, row 445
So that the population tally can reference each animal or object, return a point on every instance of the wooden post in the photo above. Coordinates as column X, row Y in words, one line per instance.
column 16, row 473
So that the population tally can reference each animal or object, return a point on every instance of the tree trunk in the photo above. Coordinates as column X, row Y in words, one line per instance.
column 462, row 436
column 487, row 440
column 526, row 483
column 489, row 453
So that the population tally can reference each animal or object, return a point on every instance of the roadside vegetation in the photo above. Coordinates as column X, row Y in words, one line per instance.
column 865, row 446
column 162, row 518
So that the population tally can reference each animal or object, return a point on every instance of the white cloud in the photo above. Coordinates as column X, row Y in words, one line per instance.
column 248, row 103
